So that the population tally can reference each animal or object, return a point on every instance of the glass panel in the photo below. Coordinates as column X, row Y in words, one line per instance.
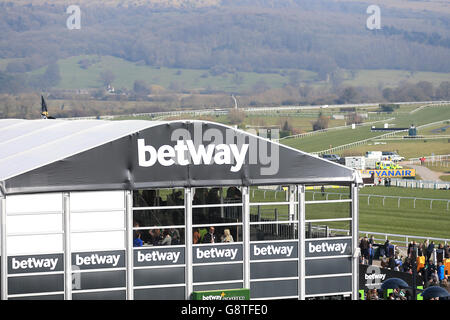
column 269, row 194
column 269, row 213
column 217, row 195
column 328, row 229
column 328, row 210
column 216, row 215
column 221, row 234
column 158, row 197
column 321, row 193
column 159, row 237
column 281, row 231
column 159, row 217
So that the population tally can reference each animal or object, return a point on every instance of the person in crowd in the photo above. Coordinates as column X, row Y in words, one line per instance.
column 430, row 250
column 166, row 238
column 447, row 251
column 440, row 271
column 156, row 236
column 210, row 237
column 384, row 262
column 234, row 195
column 196, row 236
column 372, row 294
column 445, row 284
column 386, row 247
column 227, row 237
column 364, row 246
column 137, row 242
column 420, row 250
column 391, row 263
column 175, row 235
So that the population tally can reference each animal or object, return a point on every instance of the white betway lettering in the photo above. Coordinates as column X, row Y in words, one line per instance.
column 166, row 155
column 95, row 259
column 158, row 256
column 33, row 263
column 327, row 247
column 273, row 250
column 374, row 276
column 216, row 253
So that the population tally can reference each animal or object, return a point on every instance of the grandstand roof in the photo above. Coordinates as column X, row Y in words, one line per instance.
column 62, row 155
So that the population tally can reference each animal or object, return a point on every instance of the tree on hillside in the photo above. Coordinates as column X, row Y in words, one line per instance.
column 321, row 122
column 107, row 77
column 141, row 88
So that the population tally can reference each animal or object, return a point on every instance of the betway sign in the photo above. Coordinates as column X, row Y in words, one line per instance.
column 99, row 260
column 38, row 263
column 320, row 248
column 185, row 152
column 274, row 250
column 160, row 256
column 217, row 253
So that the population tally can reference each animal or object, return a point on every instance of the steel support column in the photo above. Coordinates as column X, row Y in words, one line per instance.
column 129, row 243
column 355, row 249
column 246, row 234
column 189, row 241
column 301, row 241
column 67, row 248
column 4, row 257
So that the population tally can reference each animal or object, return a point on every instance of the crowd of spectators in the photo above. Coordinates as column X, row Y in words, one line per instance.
column 427, row 259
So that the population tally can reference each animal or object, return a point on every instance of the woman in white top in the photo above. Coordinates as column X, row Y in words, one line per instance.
column 227, row 237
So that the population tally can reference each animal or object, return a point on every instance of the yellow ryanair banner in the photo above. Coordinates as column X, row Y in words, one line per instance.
column 390, row 173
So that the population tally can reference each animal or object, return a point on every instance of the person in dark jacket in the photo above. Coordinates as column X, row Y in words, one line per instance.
column 430, row 250
column 210, row 237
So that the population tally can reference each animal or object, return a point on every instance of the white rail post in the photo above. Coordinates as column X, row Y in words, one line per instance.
column 129, row 244
column 67, row 248
column 4, row 253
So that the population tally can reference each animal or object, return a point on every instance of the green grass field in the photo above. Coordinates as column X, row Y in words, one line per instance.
column 326, row 140
column 374, row 217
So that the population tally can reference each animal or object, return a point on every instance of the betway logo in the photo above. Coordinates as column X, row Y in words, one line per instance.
column 375, row 276
column 167, row 155
column 33, row 263
column 327, row 247
column 96, row 259
column 216, row 253
column 158, row 256
column 273, row 250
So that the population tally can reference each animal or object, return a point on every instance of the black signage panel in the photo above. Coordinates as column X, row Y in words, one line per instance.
column 35, row 263
column 99, row 260
column 159, row 276
column 219, row 272
column 158, row 256
column 276, row 269
column 371, row 277
column 99, row 280
column 171, row 293
column 275, row 288
column 217, row 253
column 328, row 247
column 326, row 285
column 104, row 295
column 317, row 267
column 273, row 250
column 36, row 284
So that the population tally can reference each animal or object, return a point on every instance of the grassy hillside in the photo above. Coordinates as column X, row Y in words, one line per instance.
column 73, row 76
